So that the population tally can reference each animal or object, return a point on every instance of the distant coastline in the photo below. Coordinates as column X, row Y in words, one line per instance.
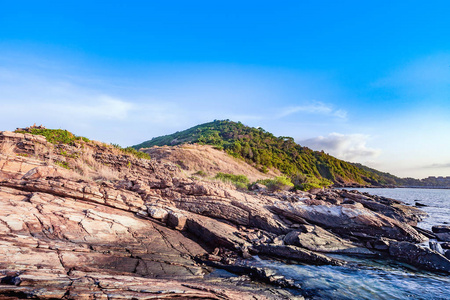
column 393, row 187
column 426, row 187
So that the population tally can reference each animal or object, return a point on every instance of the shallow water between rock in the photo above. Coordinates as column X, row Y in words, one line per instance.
column 375, row 278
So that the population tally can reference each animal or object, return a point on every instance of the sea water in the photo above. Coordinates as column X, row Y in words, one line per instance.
column 437, row 202
column 380, row 278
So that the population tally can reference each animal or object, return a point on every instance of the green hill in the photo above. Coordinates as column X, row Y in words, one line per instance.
column 264, row 150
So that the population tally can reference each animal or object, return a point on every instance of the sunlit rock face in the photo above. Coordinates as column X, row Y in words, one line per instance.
column 89, row 221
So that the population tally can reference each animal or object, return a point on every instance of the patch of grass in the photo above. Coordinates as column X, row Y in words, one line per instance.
column 65, row 154
column 264, row 169
column 281, row 183
column 56, row 136
column 132, row 151
column 84, row 139
column 62, row 164
column 136, row 153
column 310, row 186
column 22, row 154
column 240, row 181
column 302, row 182
column 310, row 182
column 201, row 173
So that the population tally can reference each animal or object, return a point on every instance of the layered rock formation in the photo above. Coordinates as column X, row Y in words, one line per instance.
column 110, row 225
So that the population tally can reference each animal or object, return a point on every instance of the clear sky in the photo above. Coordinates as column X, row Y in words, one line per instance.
column 366, row 81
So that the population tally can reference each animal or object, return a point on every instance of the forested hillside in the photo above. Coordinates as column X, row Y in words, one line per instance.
column 264, row 150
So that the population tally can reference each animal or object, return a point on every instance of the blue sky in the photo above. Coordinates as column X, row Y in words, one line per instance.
column 366, row 82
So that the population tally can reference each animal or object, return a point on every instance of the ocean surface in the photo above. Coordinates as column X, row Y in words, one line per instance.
column 380, row 278
column 437, row 202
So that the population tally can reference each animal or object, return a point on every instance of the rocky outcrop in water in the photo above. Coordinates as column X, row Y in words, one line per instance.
column 115, row 226
column 442, row 232
column 419, row 256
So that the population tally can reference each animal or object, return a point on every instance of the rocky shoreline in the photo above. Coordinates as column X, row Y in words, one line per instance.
column 153, row 232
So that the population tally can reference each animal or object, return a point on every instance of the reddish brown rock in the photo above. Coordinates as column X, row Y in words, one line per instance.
column 351, row 219
column 115, row 226
column 419, row 256
column 317, row 239
column 297, row 253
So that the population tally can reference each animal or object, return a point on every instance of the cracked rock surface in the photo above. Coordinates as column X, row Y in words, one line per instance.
column 150, row 231
column 53, row 246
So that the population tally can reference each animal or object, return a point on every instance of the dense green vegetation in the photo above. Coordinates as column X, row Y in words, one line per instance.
column 61, row 136
column 56, row 136
column 432, row 181
column 304, row 167
column 132, row 151
column 278, row 183
column 240, row 181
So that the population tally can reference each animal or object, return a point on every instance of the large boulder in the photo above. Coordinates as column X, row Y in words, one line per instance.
column 215, row 233
column 232, row 206
column 176, row 220
column 318, row 239
column 157, row 213
column 215, row 207
column 350, row 220
column 392, row 208
column 442, row 232
column 419, row 256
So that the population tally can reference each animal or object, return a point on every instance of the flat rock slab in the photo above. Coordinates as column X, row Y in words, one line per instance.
column 441, row 229
column 44, row 231
column 214, row 232
column 318, row 239
column 351, row 219
column 442, row 232
column 81, row 285
column 297, row 253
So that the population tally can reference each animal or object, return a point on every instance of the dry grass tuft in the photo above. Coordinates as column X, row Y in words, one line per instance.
column 90, row 169
column 204, row 157
column 106, row 173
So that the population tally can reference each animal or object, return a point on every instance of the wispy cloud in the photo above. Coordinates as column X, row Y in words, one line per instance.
column 128, row 111
column 99, row 107
column 344, row 146
column 314, row 107
column 437, row 166
column 58, row 102
column 55, row 98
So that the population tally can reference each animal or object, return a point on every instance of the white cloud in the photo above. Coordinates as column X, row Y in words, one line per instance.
column 340, row 113
column 99, row 107
column 61, row 102
column 315, row 107
column 128, row 111
column 54, row 99
column 352, row 147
